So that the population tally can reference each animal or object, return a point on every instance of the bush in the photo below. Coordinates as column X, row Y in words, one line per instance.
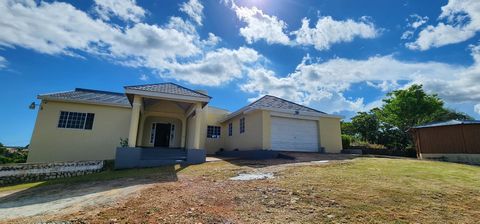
column 12, row 156
column 346, row 141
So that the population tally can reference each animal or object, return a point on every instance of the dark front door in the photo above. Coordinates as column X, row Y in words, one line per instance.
column 162, row 135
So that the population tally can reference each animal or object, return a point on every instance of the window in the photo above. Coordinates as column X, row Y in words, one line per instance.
column 230, row 129
column 242, row 125
column 76, row 120
column 152, row 132
column 213, row 132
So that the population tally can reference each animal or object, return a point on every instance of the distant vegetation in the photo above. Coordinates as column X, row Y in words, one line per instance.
column 387, row 127
column 12, row 155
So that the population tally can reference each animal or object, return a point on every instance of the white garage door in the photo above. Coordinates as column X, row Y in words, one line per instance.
column 289, row 134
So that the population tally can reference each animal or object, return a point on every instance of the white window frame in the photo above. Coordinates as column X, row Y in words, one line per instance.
column 153, row 132
column 242, row 125
column 68, row 116
column 213, row 136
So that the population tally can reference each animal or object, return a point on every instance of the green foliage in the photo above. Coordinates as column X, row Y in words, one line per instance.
column 124, row 142
column 402, row 110
column 12, row 156
column 367, row 125
column 346, row 141
column 347, row 128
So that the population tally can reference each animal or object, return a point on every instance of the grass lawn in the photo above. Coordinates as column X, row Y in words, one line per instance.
column 362, row 190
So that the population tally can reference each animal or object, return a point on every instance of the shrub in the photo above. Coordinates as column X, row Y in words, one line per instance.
column 124, row 142
column 346, row 141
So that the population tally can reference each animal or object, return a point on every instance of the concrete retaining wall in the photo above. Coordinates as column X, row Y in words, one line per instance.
column 30, row 172
column 126, row 158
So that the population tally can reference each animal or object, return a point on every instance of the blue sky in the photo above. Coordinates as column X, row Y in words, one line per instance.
column 338, row 56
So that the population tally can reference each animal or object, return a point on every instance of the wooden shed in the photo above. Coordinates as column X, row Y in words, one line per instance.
column 451, row 140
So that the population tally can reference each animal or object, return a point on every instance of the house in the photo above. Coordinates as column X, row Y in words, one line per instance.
column 457, row 141
column 86, row 124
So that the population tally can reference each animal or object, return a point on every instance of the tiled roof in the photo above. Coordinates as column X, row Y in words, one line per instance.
column 273, row 102
column 446, row 123
column 89, row 95
column 169, row 88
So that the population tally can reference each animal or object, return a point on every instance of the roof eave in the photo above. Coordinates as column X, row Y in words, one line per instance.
column 167, row 96
column 45, row 97
column 249, row 109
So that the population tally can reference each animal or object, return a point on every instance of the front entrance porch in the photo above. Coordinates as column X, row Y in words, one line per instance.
column 165, row 126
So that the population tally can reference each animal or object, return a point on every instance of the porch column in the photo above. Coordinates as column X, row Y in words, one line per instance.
column 198, row 126
column 136, row 107
column 184, row 133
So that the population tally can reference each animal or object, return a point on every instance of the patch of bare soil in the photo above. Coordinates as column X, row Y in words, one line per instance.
column 38, row 204
column 202, row 194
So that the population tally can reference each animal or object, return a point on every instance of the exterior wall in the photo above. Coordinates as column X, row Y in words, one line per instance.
column 330, row 134
column 214, row 115
column 196, row 128
column 252, row 138
column 453, row 157
column 50, row 143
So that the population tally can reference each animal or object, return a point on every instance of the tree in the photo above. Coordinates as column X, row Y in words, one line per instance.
column 367, row 125
column 410, row 107
column 347, row 128
column 402, row 110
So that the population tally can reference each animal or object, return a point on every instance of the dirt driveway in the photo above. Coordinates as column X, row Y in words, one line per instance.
column 62, row 200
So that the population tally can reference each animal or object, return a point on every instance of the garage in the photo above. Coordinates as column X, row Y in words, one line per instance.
column 291, row 134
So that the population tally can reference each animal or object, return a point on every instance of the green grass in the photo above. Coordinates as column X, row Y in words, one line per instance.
column 391, row 190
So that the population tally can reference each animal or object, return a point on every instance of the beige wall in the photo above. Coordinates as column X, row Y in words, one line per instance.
column 196, row 128
column 50, row 143
column 251, row 139
column 330, row 134
column 214, row 115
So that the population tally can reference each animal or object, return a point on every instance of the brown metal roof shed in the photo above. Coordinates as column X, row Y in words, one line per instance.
column 450, row 137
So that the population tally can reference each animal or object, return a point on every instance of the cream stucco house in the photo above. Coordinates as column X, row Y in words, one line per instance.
column 88, row 124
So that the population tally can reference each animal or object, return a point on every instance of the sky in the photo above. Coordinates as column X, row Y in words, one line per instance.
column 338, row 56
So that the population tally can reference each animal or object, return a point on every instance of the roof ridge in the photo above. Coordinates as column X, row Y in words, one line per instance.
column 190, row 89
column 98, row 91
column 292, row 103
column 58, row 92
column 158, row 83
column 171, row 83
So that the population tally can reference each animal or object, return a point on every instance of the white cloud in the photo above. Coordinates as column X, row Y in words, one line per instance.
column 260, row 26
column 143, row 77
column 215, row 68
column 417, row 21
column 459, row 21
column 194, row 9
column 127, row 10
column 477, row 108
column 212, row 40
column 324, row 85
column 51, row 28
column 3, row 62
column 414, row 22
column 175, row 49
column 328, row 31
